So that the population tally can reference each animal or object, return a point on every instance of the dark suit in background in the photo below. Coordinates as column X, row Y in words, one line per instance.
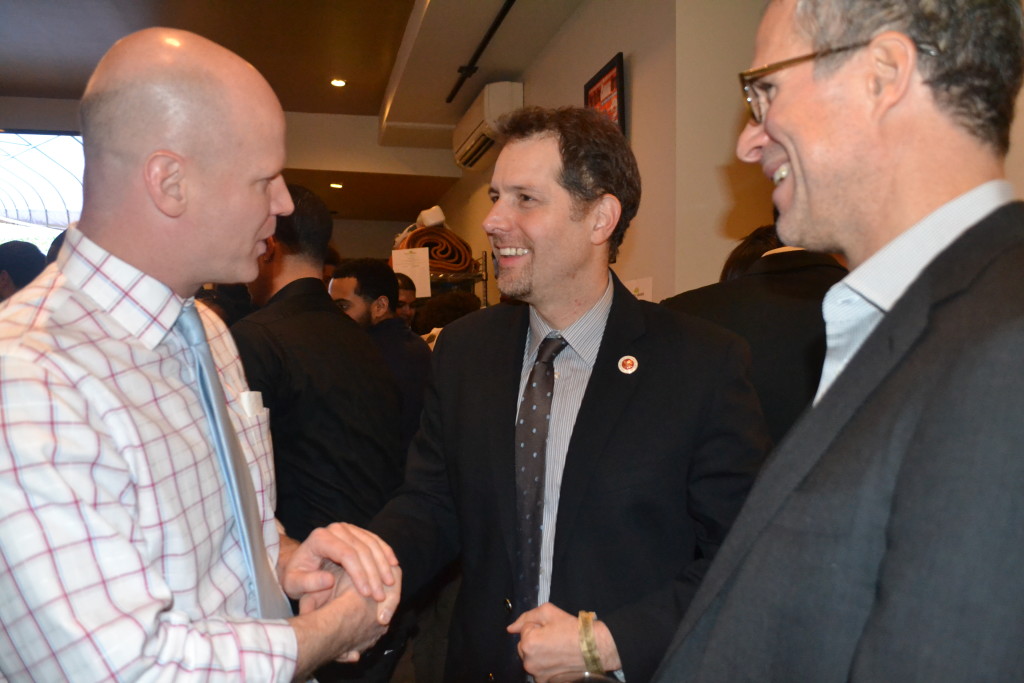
column 776, row 307
column 333, row 404
column 893, row 512
column 407, row 356
column 659, row 463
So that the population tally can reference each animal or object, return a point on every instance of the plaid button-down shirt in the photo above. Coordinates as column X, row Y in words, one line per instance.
column 119, row 555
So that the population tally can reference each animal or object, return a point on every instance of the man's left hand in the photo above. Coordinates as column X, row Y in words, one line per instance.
column 549, row 643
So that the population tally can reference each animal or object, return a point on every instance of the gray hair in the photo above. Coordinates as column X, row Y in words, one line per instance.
column 977, row 72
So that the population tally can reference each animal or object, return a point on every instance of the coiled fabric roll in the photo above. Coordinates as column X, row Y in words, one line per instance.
column 449, row 253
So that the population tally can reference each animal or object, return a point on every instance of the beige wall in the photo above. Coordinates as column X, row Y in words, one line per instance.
column 372, row 239
column 718, row 198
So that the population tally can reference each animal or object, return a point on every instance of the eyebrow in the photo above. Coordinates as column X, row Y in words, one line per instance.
column 518, row 188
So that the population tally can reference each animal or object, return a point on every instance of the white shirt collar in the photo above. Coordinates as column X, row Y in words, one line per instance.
column 884, row 277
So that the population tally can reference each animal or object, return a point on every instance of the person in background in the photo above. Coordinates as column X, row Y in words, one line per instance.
column 774, row 303
column 20, row 263
column 55, row 245
column 442, row 309
column 406, row 298
column 367, row 291
column 121, row 555
column 882, row 539
column 751, row 248
column 333, row 405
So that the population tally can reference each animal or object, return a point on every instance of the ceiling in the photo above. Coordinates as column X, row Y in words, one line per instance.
column 400, row 58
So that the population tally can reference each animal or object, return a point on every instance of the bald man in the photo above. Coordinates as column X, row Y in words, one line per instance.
column 120, row 556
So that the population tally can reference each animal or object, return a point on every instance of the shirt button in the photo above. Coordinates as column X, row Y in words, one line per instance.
column 508, row 605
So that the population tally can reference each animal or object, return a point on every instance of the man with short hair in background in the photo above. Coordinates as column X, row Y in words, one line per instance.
column 883, row 540
column 406, row 298
column 367, row 291
column 333, row 404
column 20, row 262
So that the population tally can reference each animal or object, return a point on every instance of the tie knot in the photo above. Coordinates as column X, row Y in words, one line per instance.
column 549, row 348
column 191, row 326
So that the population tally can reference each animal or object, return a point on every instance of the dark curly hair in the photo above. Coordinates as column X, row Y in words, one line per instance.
column 596, row 158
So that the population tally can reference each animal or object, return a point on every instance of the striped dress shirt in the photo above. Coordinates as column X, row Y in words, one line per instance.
column 573, row 367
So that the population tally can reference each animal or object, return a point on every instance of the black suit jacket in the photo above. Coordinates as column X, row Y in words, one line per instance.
column 334, row 408
column 659, row 462
column 407, row 356
column 776, row 307
column 884, row 539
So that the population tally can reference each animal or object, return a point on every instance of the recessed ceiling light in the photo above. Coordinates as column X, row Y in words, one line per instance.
column 338, row 83
column 337, row 186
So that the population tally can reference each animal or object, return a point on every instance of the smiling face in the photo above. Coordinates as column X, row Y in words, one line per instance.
column 812, row 143
column 548, row 253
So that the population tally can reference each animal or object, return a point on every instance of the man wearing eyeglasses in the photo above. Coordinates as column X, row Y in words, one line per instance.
column 883, row 540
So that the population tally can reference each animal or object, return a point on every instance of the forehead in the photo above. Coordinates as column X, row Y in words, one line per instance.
column 342, row 287
column 528, row 163
column 778, row 37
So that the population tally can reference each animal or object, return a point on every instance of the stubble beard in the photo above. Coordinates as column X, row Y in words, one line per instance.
column 517, row 284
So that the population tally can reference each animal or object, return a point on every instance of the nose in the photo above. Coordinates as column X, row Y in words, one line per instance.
column 751, row 142
column 280, row 199
column 495, row 220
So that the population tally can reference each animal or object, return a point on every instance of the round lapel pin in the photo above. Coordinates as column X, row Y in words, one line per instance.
column 628, row 365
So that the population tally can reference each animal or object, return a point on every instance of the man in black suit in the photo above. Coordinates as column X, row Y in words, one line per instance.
column 333, row 404
column 366, row 289
column 883, row 539
column 654, row 440
column 775, row 305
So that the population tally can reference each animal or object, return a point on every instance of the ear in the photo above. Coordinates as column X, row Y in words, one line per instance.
column 893, row 67
column 379, row 308
column 164, row 178
column 273, row 248
column 604, row 214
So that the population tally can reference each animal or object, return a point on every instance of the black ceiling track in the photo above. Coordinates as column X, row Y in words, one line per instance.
column 469, row 69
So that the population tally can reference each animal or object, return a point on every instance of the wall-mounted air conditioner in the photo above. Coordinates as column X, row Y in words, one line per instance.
column 473, row 139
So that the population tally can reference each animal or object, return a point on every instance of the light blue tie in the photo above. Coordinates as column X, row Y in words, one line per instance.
column 234, row 468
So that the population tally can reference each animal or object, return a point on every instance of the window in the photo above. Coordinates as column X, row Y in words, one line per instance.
column 40, row 185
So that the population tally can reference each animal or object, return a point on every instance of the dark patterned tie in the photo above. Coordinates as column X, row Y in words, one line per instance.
column 241, row 493
column 531, row 439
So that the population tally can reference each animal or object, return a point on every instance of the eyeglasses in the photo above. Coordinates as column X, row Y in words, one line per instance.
column 757, row 102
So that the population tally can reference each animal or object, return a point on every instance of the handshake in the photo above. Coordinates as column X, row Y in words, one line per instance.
column 348, row 585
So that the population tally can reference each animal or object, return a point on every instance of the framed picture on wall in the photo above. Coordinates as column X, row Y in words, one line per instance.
column 606, row 92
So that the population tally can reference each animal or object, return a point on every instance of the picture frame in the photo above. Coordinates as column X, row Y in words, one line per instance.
column 606, row 91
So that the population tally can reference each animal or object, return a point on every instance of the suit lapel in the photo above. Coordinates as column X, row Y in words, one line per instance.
column 608, row 393
column 500, row 404
column 811, row 436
